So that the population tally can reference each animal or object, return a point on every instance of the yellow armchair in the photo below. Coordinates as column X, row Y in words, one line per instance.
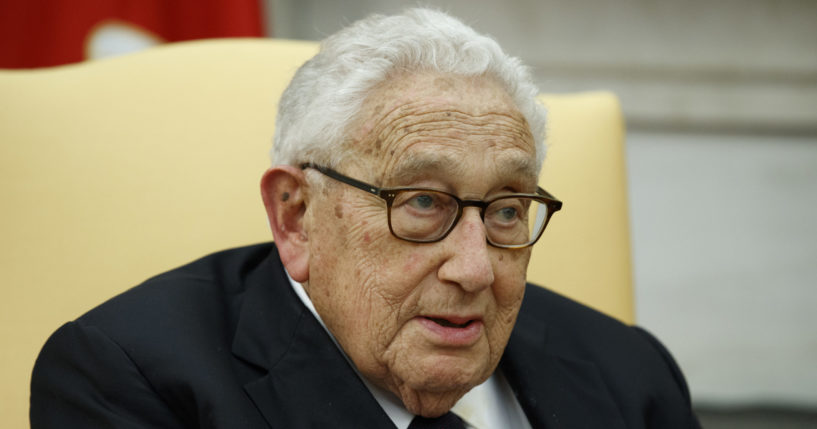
column 116, row 170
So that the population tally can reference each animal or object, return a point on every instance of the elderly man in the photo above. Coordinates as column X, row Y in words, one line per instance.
column 403, row 201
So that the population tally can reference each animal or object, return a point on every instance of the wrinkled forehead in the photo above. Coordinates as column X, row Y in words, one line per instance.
column 401, row 91
column 430, row 121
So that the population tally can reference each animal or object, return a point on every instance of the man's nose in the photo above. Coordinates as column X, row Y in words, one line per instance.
column 468, row 261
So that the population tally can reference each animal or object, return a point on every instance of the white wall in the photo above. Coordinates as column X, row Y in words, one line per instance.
column 725, row 249
column 721, row 102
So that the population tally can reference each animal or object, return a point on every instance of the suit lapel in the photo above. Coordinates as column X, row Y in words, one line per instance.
column 555, row 391
column 305, row 380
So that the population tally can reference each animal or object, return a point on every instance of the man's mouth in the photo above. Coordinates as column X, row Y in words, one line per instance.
column 451, row 330
column 448, row 323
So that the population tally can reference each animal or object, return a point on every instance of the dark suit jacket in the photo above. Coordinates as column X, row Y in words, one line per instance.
column 224, row 342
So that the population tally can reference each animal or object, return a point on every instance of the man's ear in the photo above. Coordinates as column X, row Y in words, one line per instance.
column 283, row 191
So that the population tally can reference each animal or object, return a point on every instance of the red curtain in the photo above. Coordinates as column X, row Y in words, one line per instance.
column 41, row 33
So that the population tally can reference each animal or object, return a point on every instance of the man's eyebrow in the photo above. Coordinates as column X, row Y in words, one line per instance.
column 523, row 166
column 413, row 167
column 417, row 166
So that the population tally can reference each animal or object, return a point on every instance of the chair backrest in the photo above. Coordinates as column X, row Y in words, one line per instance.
column 115, row 170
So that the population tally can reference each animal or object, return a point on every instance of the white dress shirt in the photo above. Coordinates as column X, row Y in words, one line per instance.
column 490, row 405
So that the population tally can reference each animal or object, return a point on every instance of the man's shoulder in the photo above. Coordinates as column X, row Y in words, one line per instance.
column 161, row 351
column 203, row 294
column 218, row 274
column 570, row 327
column 546, row 306
column 640, row 375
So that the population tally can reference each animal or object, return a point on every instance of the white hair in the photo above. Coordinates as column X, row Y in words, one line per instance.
column 328, row 90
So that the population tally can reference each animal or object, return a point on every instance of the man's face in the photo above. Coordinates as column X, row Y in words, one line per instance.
column 426, row 321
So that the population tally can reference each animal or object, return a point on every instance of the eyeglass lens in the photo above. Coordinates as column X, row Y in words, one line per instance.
column 424, row 215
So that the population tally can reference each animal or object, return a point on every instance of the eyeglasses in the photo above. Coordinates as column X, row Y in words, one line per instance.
column 423, row 215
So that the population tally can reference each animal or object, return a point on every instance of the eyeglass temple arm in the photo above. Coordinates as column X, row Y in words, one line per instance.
column 556, row 202
column 341, row 178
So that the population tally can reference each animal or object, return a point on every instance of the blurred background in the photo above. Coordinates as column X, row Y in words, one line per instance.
column 721, row 106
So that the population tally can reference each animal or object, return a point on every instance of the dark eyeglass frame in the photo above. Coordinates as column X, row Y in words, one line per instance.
column 389, row 194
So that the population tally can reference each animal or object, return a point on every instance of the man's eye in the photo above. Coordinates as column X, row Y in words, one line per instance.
column 422, row 201
column 507, row 213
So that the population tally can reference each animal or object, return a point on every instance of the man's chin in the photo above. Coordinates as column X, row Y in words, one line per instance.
column 440, row 383
column 449, row 377
column 430, row 403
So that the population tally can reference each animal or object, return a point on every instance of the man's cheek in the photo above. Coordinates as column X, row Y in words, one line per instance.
column 413, row 262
